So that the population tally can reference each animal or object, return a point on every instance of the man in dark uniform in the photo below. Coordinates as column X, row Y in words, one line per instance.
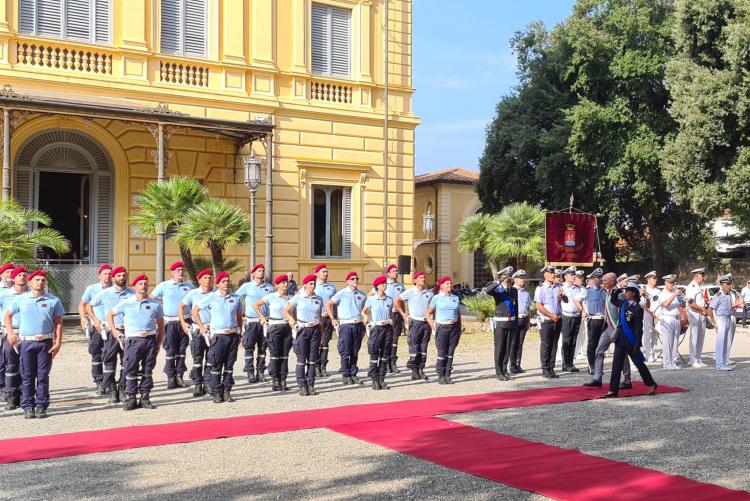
column 505, row 320
column 10, row 354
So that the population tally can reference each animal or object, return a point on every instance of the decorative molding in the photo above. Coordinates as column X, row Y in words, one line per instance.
column 363, row 181
column 8, row 92
column 337, row 166
column 302, row 177
column 163, row 109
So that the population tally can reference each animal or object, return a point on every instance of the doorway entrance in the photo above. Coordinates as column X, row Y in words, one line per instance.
column 66, row 197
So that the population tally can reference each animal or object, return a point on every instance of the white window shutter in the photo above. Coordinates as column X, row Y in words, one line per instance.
column 78, row 20
column 26, row 16
column 347, row 223
column 49, row 18
column 103, row 219
column 195, row 28
column 102, row 22
column 321, row 40
column 340, row 42
column 171, row 26
column 24, row 188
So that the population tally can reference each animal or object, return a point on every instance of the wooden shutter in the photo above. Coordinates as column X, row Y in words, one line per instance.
column 171, row 26
column 195, row 28
column 347, row 222
column 103, row 219
column 24, row 188
column 102, row 24
column 340, row 42
column 78, row 20
column 26, row 16
column 49, row 18
column 321, row 40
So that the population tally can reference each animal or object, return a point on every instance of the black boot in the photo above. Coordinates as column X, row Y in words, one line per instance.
column 383, row 386
column 114, row 394
column 394, row 366
column 204, row 389
column 29, row 413
column 180, row 382
column 545, row 374
column 422, row 375
column 514, row 369
column 10, row 403
column 228, row 395
column 303, row 391
column 311, row 390
column 198, row 390
column 346, row 380
column 284, row 387
column 218, row 397
column 260, row 375
column 323, row 371
column 415, row 374
column 276, row 386
column 146, row 402
column 171, row 383
column 355, row 380
column 553, row 374
column 101, row 390
column 441, row 379
column 130, row 403
column 318, row 369
column 41, row 413
column 252, row 377
column 390, row 367
column 375, row 384
column 448, row 379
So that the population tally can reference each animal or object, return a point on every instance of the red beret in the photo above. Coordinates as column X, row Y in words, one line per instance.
column 37, row 273
column 379, row 280
column 207, row 271
column 6, row 267
column 221, row 276
column 255, row 268
column 17, row 270
column 351, row 275
column 391, row 267
column 137, row 279
column 281, row 278
column 446, row 278
column 176, row 264
column 321, row 266
column 119, row 269
column 104, row 267
column 308, row 279
column 417, row 274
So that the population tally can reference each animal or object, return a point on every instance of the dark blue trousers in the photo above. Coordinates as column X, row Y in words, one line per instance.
column 419, row 340
column 325, row 340
column 252, row 340
column 110, row 353
column 139, row 359
column 222, row 355
column 36, row 364
column 199, row 349
column 279, row 346
column 96, row 344
column 446, row 342
column 378, row 346
column 12, row 369
column 307, row 348
column 398, row 329
column 2, row 365
column 350, row 341
column 175, row 349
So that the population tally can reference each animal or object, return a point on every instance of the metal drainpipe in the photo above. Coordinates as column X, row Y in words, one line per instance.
column 435, row 222
column 269, row 206
column 385, row 141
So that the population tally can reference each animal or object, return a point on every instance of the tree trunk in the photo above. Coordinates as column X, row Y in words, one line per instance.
column 217, row 257
column 187, row 258
column 657, row 246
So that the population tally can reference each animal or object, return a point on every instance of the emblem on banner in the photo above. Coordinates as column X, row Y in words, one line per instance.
column 570, row 235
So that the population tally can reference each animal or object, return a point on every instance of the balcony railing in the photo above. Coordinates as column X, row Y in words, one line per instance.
column 55, row 56
column 331, row 92
column 182, row 73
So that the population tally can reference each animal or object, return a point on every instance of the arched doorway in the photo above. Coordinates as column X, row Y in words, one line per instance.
column 68, row 175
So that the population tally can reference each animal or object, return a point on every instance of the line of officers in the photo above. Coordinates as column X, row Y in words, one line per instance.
column 127, row 324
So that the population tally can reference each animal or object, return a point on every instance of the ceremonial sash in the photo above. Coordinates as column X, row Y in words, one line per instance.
column 610, row 311
column 506, row 299
column 639, row 358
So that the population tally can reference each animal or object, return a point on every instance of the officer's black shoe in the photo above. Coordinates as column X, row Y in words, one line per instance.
column 146, row 402
column 346, row 380
column 594, row 383
column 228, row 395
column 180, row 382
column 553, row 374
column 101, row 390
column 422, row 375
column 355, row 380
column 448, row 379
column 130, row 403
column 323, row 371
column 260, row 375
column 251, row 377
column 610, row 394
column 303, row 391
column 390, row 367
column 10, row 403
column 575, row 369
column 415, row 374
column 375, row 383
column 41, row 413
column 396, row 370
column 284, row 387
column 441, row 379
column 318, row 370
column 218, row 397
column 520, row 369
column 171, row 383
column 514, row 369
column 502, row 377
column 29, row 413
column 204, row 389
column 114, row 394
column 276, row 385
column 311, row 390
column 383, row 386
column 198, row 390
column 545, row 374
column 626, row 386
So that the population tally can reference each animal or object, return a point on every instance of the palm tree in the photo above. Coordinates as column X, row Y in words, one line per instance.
column 215, row 224
column 518, row 233
column 17, row 241
column 472, row 236
column 165, row 205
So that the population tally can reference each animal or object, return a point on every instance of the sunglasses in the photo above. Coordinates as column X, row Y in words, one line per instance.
column 354, row 278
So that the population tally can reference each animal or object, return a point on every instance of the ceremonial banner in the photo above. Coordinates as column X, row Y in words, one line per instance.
column 570, row 238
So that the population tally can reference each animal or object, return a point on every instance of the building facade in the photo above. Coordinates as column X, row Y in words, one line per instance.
column 99, row 95
column 448, row 197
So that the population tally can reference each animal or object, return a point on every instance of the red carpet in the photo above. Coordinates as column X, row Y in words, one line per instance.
column 116, row 439
column 531, row 466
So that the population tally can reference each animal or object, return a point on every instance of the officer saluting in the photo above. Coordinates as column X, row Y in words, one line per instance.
column 10, row 355
column 721, row 309
column 306, row 333
column 547, row 299
column 571, row 319
column 252, row 336
column 377, row 315
column 505, row 320
column 348, row 320
column 40, row 334
column 143, row 318
column 198, row 343
column 444, row 316
column 176, row 340
column 524, row 304
column 225, row 310
column 696, row 308
column 95, row 341
column 418, row 299
column 325, row 291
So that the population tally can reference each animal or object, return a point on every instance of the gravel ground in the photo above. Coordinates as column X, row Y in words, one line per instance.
column 692, row 434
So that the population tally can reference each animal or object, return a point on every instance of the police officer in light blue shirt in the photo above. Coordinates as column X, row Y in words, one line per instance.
column 349, row 302
column 524, row 305
column 176, row 339
column 594, row 299
column 5, row 271
column 377, row 314
column 325, row 291
column 97, row 310
column 547, row 298
column 394, row 289
column 95, row 341
column 445, row 307
column 304, row 314
column 252, row 336
column 10, row 355
column 571, row 319
column 40, row 334
column 198, row 342
column 418, row 300
column 277, row 330
column 143, row 318
column 721, row 309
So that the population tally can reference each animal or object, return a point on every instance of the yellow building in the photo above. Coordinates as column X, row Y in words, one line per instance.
column 442, row 201
column 93, row 87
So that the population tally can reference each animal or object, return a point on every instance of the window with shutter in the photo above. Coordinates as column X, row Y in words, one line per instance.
column 331, row 41
column 331, row 222
column 84, row 20
column 78, row 19
column 104, row 218
column 49, row 18
column 102, row 21
column 23, row 188
column 26, row 16
column 184, row 27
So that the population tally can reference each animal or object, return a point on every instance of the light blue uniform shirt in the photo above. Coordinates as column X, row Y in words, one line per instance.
column 7, row 297
column 722, row 303
column 570, row 291
column 446, row 307
column 139, row 316
column 524, row 301
column 350, row 303
column 380, row 309
column 36, row 314
column 393, row 290
column 418, row 301
column 326, row 291
column 171, row 294
column 746, row 294
column 546, row 295
column 196, row 296
column 223, row 309
column 309, row 308
column 276, row 305
column 107, row 299
column 90, row 293
column 251, row 292
column 594, row 300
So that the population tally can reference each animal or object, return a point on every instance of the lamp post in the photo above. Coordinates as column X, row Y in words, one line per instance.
column 252, row 165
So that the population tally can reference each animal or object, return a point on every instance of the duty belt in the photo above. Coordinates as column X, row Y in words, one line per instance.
column 418, row 319
column 382, row 322
column 38, row 337
column 171, row 319
column 522, row 315
column 446, row 322
column 275, row 321
column 350, row 321
column 573, row 315
column 252, row 320
column 596, row 317
column 305, row 325
column 140, row 334
column 503, row 319
column 215, row 332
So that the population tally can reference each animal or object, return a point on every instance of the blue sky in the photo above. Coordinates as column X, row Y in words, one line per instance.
column 463, row 65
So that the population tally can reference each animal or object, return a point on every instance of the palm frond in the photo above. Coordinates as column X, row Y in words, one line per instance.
column 166, row 203
column 213, row 222
column 473, row 233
